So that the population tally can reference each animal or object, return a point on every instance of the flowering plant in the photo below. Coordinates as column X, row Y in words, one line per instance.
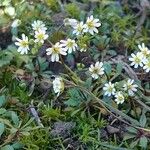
column 75, row 69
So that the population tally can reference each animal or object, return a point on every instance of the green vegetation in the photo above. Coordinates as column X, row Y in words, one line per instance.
column 93, row 96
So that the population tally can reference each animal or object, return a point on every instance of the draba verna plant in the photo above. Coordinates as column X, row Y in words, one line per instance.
column 74, row 79
column 67, row 46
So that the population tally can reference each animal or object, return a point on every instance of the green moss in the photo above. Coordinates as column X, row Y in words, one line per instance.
column 37, row 140
column 53, row 4
column 73, row 10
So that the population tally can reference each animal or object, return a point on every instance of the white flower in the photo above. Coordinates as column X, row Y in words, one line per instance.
column 55, row 51
column 137, row 60
column 23, row 44
column 147, row 65
column 96, row 70
column 40, row 36
column 58, row 85
column 91, row 25
column 16, row 23
column 10, row 11
column 70, row 22
column 69, row 45
column 83, row 50
column 119, row 98
column 130, row 87
column 78, row 28
column 144, row 50
column 109, row 89
column 38, row 25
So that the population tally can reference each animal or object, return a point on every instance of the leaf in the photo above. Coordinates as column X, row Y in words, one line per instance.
column 17, row 145
column 72, row 102
column 128, row 136
column 2, row 111
column 107, row 68
column 143, row 119
column 75, row 112
column 2, row 100
column 15, row 118
column 134, row 143
column 119, row 68
column 42, row 63
column 143, row 142
column 88, row 83
column 7, row 147
column 2, row 128
column 5, row 58
column 112, row 52
column 132, row 130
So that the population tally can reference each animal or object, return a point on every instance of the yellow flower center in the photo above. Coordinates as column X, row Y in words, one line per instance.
column 90, row 24
column 95, row 71
column 24, row 43
column 56, row 50
column 137, row 60
column 110, row 89
column 79, row 28
column 40, row 36
column 120, row 97
column 70, row 44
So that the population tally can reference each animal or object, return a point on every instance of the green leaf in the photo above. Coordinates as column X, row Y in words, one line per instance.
column 134, row 143
column 143, row 142
column 132, row 130
column 107, row 68
column 17, row 145
column 72, row 102
column 7, row 147
column 128, row 136
column 143, row 120
column 15, row 118
column 5, row 58
column 2, row 111
column 88, row 83
column 42, row 63
column 2, row 100
column 2, row 128
column 112, row 52
column 119, row 68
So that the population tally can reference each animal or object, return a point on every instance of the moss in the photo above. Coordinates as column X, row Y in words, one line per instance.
column 53, row 4
column 73, row 10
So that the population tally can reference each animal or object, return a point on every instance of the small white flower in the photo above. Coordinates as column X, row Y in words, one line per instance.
column 109, row 89
column 137, row 60
column 58, row 85
column 69, row 45
column 78, row 28
column 9, row 10
column 91, row 25
column 40, row 36
column 83, row 50
column 55, row 51
column 23, row 44
column 70, row 22
column 144, row 50
column 119, row 98
column 130, row 87
column 147, row 65
column 38, row 25
column 96, row 70
column 16, row 23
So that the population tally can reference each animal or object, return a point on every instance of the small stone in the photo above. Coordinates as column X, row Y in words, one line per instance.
column 112, row 130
